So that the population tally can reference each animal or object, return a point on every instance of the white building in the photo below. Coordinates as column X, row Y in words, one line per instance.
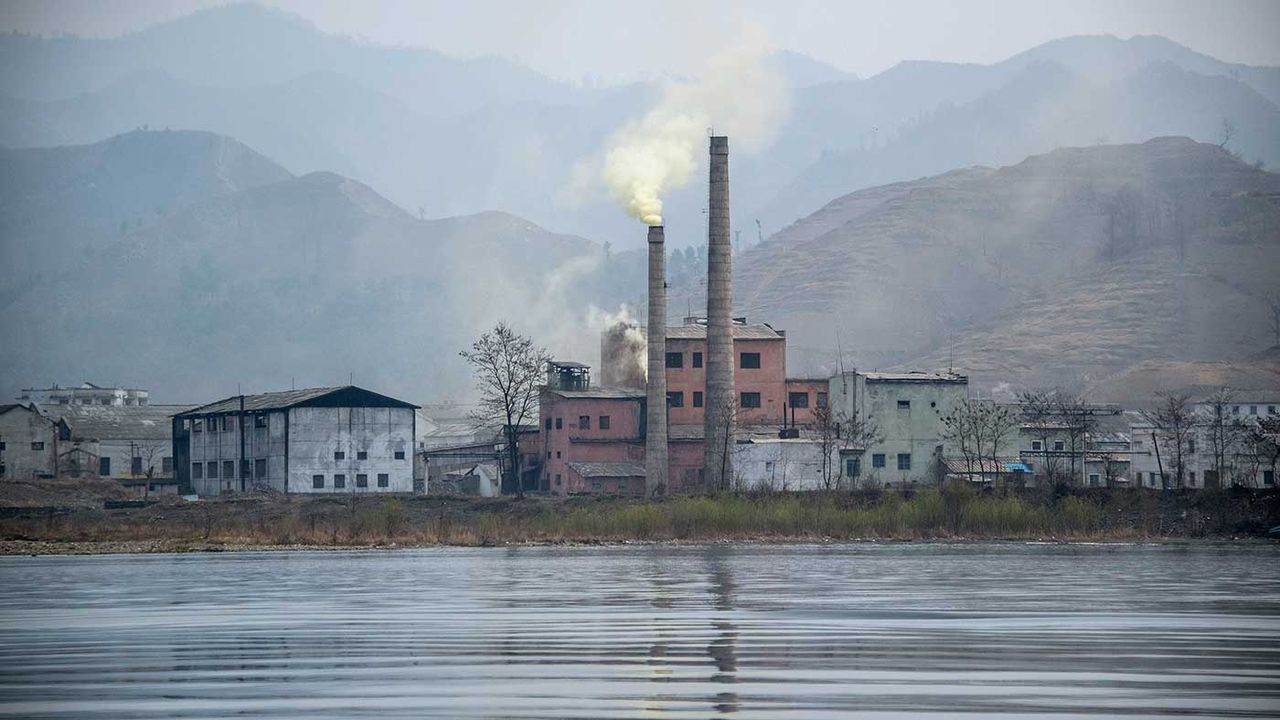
column 30, row 442
column 130, row 443
column 84, row 394
column 1199, row 463
column 320, row 440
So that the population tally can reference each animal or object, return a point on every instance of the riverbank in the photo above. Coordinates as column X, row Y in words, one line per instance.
column 279, row 522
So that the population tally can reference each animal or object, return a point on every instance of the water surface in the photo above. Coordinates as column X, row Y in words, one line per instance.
column 899, row 631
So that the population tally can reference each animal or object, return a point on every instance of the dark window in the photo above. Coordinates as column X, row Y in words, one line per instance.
column 749, row 361
column 384, row 480
column 557, row 479
column 904, row 404
column 1035, row 445
column 675, row 398
column 362, row 480
column 822, row 399
column 877, row 460
column 135, row 466
column 213, row 470
column 339, row 481
column 697, row 398
column 339, row 455
column 2, row 446
column 399, row 455
column 559, row 423
column 228, row 469
column 697, row 359
column 166, row 465
column 1059, row 445
column 904, row 461
column 197, row 425
column 584, row 422
column 1268, row 477
column 37, row 446
column 260, row 468
column 851, row 467
column 604, row 422
column 548, row 454
column 798, row 399
column 362, row 455
column 557, row 453
column 1191, row 446
column 548, row 423
column 104, row 467
column 259, row 421
column 317, row 481
column 675, row 359
column 226, row 423
column 749, row 400
column 197, row 469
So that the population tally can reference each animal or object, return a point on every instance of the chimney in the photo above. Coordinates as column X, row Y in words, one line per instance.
column 720, row 406
column 655, row 446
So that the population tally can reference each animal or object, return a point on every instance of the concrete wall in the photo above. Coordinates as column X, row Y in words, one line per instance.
column 20, row 427
column 216, row 439
column 316, row 433
column 561, row 441
column 779, row 465
column 815, row 395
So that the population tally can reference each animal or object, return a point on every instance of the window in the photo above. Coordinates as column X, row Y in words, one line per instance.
column 1192, row 475
column 227, row 424
column 317, row 482
column 904, row 404
column 212, row 468
column 1095, row 479
column 37, row 445
column 822, row 400
column 1191, row 446
column 197, row 469
column 1059, row 446
column 362, row 480
column 211, row 424
column 1037, row 445
column 557, row 454
column 1253, row 409
column 259, row 421
column 1137, row 444
column 904, row 461
column 384, row 480
column 798, row 399
column 135, row 465
column 675, row 359
column 362, row 455
column 339, row 455
column 399, row 455
column 2, row 446
column 228, row 469
column 1235, row 410
column 548, row 423
column 697, row 398
column 851, row 467
column 339, row 481
column 697, row 359
column 197, row 425
column 604, row 422
column 584, row 422
column 166, row 465
column 1271, row 409
column 749, row 400
column 559, row 423
column 1268, row 477
column 557, row 479
column 260, row 468
column 877, row 460
column 675, row 398
column 104, row 467
column 749, row 361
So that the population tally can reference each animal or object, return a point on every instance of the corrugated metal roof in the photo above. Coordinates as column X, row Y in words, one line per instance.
column 740, row 332
column 117, row 422
column 599, row 393
column 914, row 376
column 604, row 469
column 285, row 399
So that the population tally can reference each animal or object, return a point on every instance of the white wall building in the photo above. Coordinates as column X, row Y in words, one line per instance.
column 320, row 440
column 84, row 394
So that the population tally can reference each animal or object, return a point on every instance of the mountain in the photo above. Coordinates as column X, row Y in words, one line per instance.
column 1066, row 268
column 266, row 278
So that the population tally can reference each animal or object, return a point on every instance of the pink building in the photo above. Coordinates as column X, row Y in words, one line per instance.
column 759, row 372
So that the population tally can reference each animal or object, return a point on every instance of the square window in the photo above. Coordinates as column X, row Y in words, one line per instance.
column 1268, row 477
column 822, row 400
column 197, row 425
column 37, row 446
column 104, row 467
column 260, row 468
column 317, row 482
column 1253, row 409
column 559, row 423
column 749, row 361
column 135, row 465
column 1095, row 479
column 339, row 481
column 904, row 461
column 1037, row 445
column 548, row 454
column 1059, row 445
column 904, row 404
column 557, row 454
column 604, row 422
column 362, row 480
column 697, row 398
column 362, row 455
column 259, row 421
column 750, row 400
column 213, row 470
column 798, row 400
column 228, row 469
column 584, row 422
column 197, row 469
column 548, row 423
column 877, row 460
column 675, row 398
column 339, row 455
column 399, row 455
column 675, row 359
column 697, row 359
column 384, row 480
column 166, row 465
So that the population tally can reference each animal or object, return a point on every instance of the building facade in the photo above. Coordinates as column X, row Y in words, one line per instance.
column 30, row 442
column 85, row 394
column 321, row 440
column 125, row 442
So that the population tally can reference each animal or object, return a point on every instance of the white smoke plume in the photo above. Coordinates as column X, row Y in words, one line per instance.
column 740, row 94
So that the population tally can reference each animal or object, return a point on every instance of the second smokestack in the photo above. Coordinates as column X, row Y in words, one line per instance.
column 655, row 447
column 720, row 402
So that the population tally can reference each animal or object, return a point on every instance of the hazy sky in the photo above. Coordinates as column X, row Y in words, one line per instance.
column 624, row 40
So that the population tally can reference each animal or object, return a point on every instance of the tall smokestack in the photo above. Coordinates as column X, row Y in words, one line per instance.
column 655, row 446
column 719, row 414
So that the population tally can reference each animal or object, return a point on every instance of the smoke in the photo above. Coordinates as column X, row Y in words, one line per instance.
column 740, row 93
column 623, row 350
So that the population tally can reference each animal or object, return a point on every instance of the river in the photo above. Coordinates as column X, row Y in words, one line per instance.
column 744, row 631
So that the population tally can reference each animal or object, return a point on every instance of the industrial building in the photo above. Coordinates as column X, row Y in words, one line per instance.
column 30, row 442
column 85, row 393
column 129, row 443
column 319, row 440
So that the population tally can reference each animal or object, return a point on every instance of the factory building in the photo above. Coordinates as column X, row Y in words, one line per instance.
column 320, row 440
column 30, row 442
column 84, row 394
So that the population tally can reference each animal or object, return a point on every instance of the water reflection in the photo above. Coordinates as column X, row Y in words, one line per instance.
column 672, row 632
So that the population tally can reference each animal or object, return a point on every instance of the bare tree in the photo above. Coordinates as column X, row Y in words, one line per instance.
column 998, row 421
column 509, row 370
column 1173, row 424
column 1039, row 412
column 1223, row 430
column 1228, row 132
column 1263, row 440
column 960, row 428
column 827, row 429
column 856, row 433
column 1077, row 422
